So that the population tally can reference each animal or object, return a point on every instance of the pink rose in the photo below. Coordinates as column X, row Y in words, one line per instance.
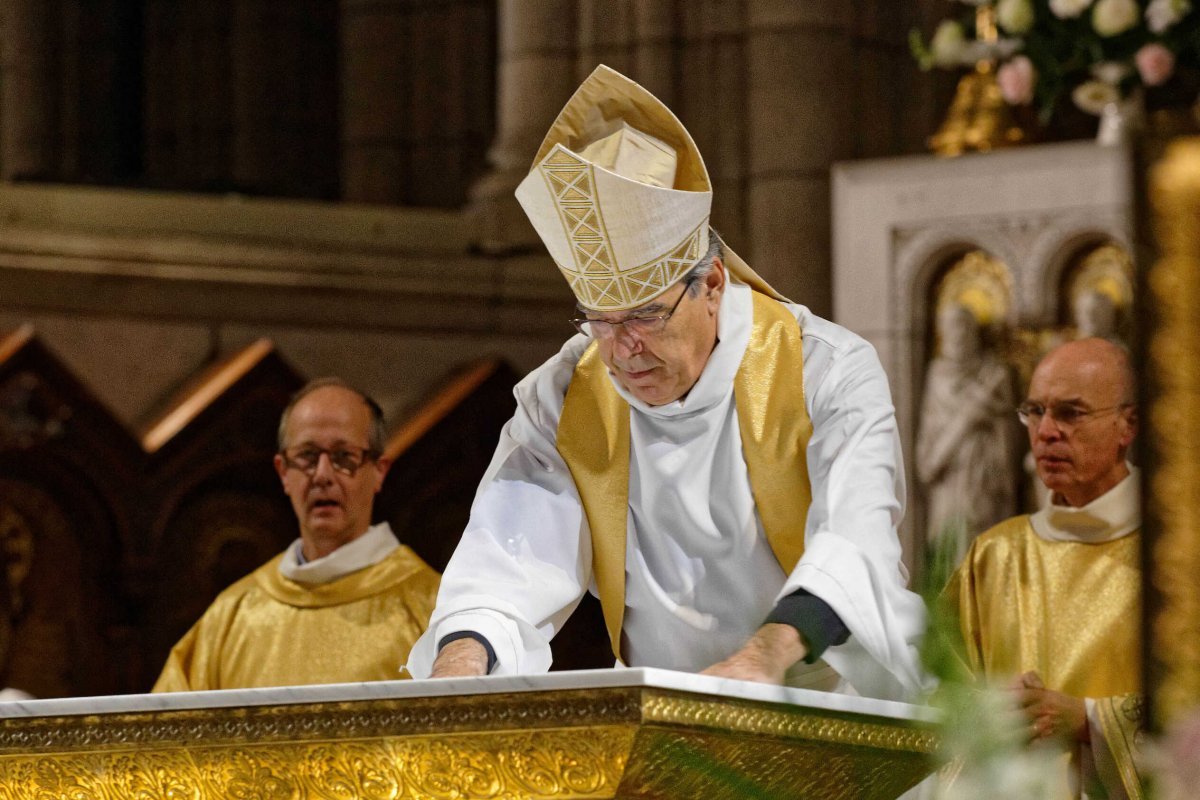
column 1017, row 78
column 1155, row 64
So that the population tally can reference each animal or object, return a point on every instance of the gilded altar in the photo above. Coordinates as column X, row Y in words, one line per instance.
column 596, row 734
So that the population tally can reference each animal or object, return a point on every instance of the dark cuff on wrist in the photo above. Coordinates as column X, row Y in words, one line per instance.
column 816, row 621
column 454, row 637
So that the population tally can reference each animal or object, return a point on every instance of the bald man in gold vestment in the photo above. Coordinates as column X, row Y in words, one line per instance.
column 346, row 600
column 1051, row 601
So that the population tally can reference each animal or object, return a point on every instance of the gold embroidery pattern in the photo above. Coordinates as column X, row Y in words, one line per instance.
column 1174, row 513
column 597, row 280
column 416, row 716
column 1133, row 708
column 789, row 724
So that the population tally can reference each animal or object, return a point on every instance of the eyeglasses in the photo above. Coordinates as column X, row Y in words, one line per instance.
column 1067, row 416
column 639, row 326
column 346, row 459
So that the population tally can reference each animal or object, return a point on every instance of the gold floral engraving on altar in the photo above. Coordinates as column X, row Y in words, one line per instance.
column 1174, row 430
column 789, row 724
column 528, row 764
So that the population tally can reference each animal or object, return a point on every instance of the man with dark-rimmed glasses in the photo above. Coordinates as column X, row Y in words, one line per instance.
column 1049, row 602
column 718, row 465
column 346, row 600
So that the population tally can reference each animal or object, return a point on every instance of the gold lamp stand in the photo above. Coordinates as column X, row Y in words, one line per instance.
column 978, row 119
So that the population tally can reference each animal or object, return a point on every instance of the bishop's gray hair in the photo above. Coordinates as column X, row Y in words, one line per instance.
column 696, row 275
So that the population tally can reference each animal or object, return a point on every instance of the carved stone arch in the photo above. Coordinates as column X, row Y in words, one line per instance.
column 919, row 266
column 1054, row 253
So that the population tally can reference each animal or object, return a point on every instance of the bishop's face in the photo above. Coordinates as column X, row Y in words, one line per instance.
column 663, row 367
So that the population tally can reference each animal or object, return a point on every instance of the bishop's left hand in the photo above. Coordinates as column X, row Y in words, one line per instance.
column 765, row 658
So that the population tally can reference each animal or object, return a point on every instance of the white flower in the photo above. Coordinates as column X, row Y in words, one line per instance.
column 1162, row 14
column 1015, row 16
column 948, row 44
column 1111, row 72
column 1111, row 17
column 1066, row 9
column 1093, row 96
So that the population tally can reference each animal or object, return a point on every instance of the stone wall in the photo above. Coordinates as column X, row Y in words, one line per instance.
column 136, row 292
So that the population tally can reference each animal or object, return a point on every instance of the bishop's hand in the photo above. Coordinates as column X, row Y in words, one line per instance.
column 462, row 658
column 765, row 658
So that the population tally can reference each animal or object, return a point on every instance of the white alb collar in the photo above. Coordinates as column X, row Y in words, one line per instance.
column 367, row 550
column 1110, row 516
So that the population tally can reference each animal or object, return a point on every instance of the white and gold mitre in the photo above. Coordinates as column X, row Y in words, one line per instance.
column 620, row 196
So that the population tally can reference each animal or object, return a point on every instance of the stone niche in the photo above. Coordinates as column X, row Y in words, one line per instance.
column 1033, row 241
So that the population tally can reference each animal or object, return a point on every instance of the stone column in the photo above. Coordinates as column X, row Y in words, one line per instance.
column 186, row 97
column 654, row 55
column 29, row 123
column 825, row 79
column 711, row 100
column 605, row 34
column 535, row 77
column 374, row 164
column 285, row 133
column 417, row 99
column 801, row 108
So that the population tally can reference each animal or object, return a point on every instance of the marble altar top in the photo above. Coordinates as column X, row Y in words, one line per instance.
column 554, row 681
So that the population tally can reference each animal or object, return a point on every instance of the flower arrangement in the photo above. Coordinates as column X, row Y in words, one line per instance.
column 1099, row 52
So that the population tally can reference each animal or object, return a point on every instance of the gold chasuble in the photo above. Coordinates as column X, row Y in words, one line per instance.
column 593, row 439
column 1069, row 610
column 267, row 630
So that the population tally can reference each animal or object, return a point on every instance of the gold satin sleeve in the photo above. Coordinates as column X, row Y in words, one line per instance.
column 174, row 675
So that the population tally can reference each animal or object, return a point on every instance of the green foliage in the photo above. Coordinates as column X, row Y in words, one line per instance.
column 942, row 652
column 920, row 51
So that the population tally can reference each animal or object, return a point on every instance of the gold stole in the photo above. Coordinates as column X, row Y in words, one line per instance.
column 593, row 439
column 1121, row 720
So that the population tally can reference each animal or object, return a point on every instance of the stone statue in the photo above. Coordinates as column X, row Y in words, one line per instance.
column 967, row 458
column 1094, row 314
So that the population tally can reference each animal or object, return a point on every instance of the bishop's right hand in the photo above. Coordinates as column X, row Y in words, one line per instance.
column 462, row 658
